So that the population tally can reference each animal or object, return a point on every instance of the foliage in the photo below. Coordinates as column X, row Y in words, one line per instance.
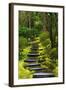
column 22, row 72
column 55, row 67
column 54, row 53
column 47, row 64
column 55, row 71
column 49, row 55
column 23, row 53
column 41, row 28
column 27, row 32
column 24, row 31
column 47, row 43
column 44, row 36
column 22, row 42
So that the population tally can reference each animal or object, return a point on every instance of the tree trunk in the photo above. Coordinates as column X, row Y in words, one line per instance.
column 50, row 29
column 44, row 21
column 29, row 20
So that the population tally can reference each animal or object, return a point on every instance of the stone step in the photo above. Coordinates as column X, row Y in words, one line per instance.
column 42, row 75
column 33, row 54
column 38, row 69
column 30, row 60
column 33, row 60
column 36, row 48
column 32, row 65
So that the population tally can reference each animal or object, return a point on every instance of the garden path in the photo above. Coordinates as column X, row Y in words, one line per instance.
column 34, row 64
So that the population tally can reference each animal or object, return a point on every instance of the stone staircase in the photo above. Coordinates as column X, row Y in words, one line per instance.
column 35, row 65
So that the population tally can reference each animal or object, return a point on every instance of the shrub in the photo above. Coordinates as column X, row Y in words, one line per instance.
column 55, row 71
column 54, row 53
column 22, row 72
column 47, row 62
column 47, row 43
column 23, row 53
column 22, row 42
column 27, row 32
column 44, row 36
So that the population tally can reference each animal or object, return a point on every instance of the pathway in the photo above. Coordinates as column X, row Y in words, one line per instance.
column 34, row 64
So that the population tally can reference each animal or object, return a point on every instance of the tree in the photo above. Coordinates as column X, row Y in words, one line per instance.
column 52, row 27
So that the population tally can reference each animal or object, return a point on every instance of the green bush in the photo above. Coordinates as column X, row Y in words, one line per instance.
column 55, row 71
column 44, row 35
column 54, row 53
column 22, row 42
column 47, row 61
column 45, row 40
column 27, row 32
column 47, row 64
column 22, row 72
column 23, row 53
column 47, row 43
